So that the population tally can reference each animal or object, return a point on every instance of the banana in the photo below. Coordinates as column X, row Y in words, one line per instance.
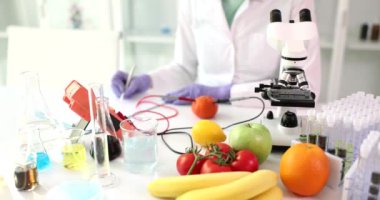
column 275, row 193
column 244, row 188
column 171, row 187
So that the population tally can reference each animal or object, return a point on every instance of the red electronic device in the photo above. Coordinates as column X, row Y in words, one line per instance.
column 76, row 96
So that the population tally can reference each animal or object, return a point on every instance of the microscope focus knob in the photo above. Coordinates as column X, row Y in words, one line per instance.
column 289, row 120
column 305, row 15
column 275, row 16
column 270, row 115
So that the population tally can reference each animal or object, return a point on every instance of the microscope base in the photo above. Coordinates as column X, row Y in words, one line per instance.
column 281, row 136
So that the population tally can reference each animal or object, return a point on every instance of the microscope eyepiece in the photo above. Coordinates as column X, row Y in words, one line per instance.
column 305, row 15
column 275, row 16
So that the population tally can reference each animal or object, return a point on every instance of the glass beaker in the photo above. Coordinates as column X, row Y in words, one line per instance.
column 25, row 173
column 99, row 135
column 73, row 151
column 140, row 144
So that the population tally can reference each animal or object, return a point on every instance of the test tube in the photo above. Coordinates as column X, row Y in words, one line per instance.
column 360, row 171
column 303, row 125
column 322, row 137
column 358, row 125
column 329, row 130
column 371, row 177
column 351, row 141
column 310, row 122
column 341, row 153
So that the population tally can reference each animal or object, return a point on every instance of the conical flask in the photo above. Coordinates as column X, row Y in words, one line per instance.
column 36, row 111
column 36, row 116
column 99, row 135
column 114, row 144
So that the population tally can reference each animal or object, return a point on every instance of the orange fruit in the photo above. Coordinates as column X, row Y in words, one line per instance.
column 204, row 107
column 304, row 169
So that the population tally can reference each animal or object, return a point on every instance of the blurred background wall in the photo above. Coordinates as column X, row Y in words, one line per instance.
column 148, row 29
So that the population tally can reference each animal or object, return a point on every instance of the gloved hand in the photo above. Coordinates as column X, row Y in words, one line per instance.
column 195, row 90
column 137, row 85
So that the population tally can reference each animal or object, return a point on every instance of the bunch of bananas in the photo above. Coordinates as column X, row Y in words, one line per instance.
column 258, row 185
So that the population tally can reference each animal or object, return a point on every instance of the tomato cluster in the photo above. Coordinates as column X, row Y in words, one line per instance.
column 218, row 158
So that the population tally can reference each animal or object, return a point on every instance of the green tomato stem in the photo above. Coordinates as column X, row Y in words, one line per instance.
column 197, row 158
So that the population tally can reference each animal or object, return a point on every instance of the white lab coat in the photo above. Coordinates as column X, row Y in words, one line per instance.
column 208, row 52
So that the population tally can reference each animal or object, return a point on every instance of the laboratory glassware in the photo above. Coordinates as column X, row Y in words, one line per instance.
column 25, row 172
column 73, row 151
column 36, row 114
column 99, row 136
column 140, row 144
column 114, row 144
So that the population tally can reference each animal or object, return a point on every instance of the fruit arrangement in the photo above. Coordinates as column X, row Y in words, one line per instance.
column 261, row 184
column 230, row 171
column 250, row 143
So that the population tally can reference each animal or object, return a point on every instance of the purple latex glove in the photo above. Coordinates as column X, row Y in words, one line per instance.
column 195, row 90
column 137, row 85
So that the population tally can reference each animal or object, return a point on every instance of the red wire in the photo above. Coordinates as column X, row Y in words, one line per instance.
column 144, row 100
column 157, row 113
column 162, row 106
column 148, row 96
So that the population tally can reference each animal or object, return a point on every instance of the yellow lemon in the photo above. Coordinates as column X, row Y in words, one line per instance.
column 206, row 132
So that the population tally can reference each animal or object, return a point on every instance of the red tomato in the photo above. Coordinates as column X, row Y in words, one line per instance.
column 185, row 161
column 210, row 166
column 245, row 161
column 223, row 147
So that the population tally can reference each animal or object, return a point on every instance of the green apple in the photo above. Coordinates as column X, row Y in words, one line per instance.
column 253, row 136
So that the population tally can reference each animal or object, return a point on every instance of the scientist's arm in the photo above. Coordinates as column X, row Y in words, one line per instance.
column 183, row 70
column 179, row 73
column 312, row 68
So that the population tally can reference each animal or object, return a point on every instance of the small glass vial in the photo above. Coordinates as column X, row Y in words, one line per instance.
column 26, row 176
column 375, row 31
column 363, row 32
column 25, row 172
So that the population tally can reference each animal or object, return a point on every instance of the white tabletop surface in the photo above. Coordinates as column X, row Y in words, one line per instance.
column 131, row 186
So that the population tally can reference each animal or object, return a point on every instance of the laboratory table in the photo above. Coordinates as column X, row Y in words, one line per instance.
column 130, row 186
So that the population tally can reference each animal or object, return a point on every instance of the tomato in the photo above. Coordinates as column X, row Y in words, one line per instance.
column 223, row 147
column 185, row 161
column 209, row 166
column 245, row 161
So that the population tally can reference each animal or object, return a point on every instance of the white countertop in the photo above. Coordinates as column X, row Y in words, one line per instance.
column 131, row 186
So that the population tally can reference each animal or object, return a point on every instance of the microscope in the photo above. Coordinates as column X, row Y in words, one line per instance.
column 291, row 89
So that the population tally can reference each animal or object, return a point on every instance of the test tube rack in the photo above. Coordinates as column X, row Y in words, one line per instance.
column 362, row 180
column 347, row 122
column 340, row 128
